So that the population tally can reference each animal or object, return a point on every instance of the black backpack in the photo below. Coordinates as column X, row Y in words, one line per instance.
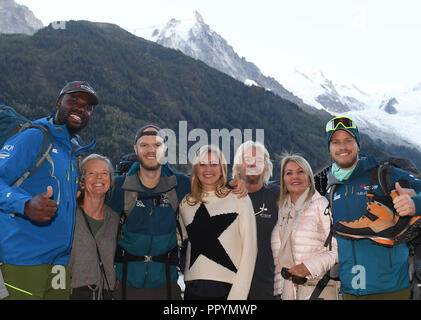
column 125, row 163
column 320, row 178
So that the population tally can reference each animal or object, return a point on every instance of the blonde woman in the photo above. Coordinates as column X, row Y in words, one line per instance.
column 221, row 228
column 298, row 238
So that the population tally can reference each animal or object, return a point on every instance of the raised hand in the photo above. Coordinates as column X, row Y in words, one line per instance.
column 403, row 203
column 240, row 187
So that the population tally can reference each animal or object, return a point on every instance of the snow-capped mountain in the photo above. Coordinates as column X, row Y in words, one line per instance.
column 379, row 115
column 15, row 18
column 194, row 38
column 382, row 116
column 398, row 113
column 315, row 89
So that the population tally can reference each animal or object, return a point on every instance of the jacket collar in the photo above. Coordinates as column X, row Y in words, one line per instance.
column 167, row 181
column 132, row 183
column 60, row 132
column 365, row 163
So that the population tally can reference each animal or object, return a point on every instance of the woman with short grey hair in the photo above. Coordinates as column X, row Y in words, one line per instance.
column 94, row 243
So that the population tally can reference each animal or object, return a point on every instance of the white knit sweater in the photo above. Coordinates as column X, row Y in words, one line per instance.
column 238, row 240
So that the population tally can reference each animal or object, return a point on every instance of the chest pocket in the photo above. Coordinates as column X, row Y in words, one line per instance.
column 151, row 214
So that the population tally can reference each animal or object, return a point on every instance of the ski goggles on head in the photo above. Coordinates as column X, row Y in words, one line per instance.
column 345, row 122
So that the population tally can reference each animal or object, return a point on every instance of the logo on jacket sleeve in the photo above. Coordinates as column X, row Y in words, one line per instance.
column 4, row 155
column 8, row 147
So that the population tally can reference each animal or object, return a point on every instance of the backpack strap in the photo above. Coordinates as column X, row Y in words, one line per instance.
column 322, row 283
column 328, row 212
column 130, row 199
column 383, row 176
column 101, row 264
column 43, row 154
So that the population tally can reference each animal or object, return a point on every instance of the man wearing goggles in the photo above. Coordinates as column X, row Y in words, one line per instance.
column 346, row 123
column 375, row 267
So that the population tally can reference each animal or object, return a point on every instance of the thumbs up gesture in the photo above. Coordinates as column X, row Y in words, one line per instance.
column 41, row 208
column 403, row 203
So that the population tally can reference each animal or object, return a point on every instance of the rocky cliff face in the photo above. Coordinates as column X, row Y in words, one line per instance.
column 15, row 18
column 196, row 39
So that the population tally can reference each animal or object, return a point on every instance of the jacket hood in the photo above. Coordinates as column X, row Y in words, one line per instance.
column 60, row 132
column 364, row 164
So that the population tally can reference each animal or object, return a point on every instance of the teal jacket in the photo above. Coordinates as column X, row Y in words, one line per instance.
column 366, row 267
column 150, row 229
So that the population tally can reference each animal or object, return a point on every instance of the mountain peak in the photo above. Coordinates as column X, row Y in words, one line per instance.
column 6, row 4
column 198, row 17
column 15, row 18
column 196, row 39
column 173, row 22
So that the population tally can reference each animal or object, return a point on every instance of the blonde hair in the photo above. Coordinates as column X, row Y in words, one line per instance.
column 303, row 163
column 197, row 193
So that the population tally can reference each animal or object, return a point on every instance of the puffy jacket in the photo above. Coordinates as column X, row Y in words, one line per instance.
column 309, row 233
column 150, row 229
column 365, row 267
column 22, row 241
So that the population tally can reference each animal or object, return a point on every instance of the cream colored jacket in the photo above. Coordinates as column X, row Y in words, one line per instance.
column 309, row 233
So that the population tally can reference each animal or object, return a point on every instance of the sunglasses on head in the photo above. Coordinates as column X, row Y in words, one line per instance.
column 345, row 122
column 288, row 275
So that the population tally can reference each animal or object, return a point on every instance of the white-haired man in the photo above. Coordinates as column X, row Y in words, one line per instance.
column 252, row 164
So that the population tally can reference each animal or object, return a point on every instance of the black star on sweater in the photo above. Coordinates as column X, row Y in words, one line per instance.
column 203, row 234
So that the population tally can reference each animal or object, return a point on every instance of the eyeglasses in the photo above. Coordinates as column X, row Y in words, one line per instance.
column 346, row 122
column 288, row 275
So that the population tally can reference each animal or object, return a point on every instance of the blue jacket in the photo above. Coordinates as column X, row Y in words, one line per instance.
column 22, row 241
column 150, row 229
column 366, row 267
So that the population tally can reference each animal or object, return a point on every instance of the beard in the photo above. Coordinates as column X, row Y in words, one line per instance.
column 253, row 179
column 149, row 167
column 62, row 117
column 347, row 164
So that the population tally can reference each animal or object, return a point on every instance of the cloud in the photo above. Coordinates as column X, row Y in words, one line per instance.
column 359, row 18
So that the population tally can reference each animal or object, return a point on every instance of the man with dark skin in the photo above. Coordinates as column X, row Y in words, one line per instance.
column 37, row 218
column 73, row 110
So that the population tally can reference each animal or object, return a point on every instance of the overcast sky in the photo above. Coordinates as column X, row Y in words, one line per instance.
column 372, row 43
